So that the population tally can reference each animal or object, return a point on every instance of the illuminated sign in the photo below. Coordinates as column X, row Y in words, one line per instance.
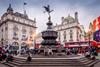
column 96, row 36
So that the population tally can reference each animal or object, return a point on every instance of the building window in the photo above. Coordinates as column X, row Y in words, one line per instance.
column 80, row 37
column 71, row 35
column 6, row 28
column 15, row 32
column 77, row 35
column 31, row 32
column 59, row 35
column 23, row 30
column 15, row 35
column 2, row 30
column 23, row 44
column 64, row 34
column 15, row 28
column 13, row 18
column 31, row 38
column 24, row 37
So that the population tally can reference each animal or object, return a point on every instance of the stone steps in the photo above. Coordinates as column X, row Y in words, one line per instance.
column 20, row 62
column 88, row 62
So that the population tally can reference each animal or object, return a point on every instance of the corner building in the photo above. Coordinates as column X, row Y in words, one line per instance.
column 70, row 30
column 16, row 28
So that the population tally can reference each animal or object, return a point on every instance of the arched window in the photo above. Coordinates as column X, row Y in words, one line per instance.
column 31, row 31
column 23, row 30
column 15, row 28
column 15, row 32
column 23, row 44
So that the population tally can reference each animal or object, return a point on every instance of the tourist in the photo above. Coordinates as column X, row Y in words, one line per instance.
column 0, row 56
column 10, row 57
column 50, row 51
column 29, row 58
column 68, row 52
column 45, row 50
column 88, row 54
column 93, row 57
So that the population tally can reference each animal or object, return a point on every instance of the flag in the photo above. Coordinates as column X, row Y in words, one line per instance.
column 25, row 3
column 96, row 24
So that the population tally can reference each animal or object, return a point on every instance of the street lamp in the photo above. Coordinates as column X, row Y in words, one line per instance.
column 19, row 50
column 89, row 37
column 28, row 42
column 33, row 39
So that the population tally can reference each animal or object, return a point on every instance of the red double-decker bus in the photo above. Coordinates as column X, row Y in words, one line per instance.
column 96, row 38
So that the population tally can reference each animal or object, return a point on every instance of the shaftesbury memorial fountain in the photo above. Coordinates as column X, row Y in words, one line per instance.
column 49, row 36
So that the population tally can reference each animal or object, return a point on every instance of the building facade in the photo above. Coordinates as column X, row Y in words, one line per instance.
column 70, row 30
column 38, row 38
column 16, row 28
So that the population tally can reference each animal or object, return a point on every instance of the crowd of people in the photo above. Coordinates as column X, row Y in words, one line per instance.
column 7, row 53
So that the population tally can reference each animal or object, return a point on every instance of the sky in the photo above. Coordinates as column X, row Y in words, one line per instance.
column 87, row 10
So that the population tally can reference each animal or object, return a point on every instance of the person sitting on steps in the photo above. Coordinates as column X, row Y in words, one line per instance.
column 29, row 58
column 45, row 50
column 50, row 51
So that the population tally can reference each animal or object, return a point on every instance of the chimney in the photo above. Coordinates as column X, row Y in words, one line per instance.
column 62, row 19
column 34, row 19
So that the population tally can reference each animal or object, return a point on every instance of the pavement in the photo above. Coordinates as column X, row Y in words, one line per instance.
column 98, row 57
column 2, row 65
column 97, row 65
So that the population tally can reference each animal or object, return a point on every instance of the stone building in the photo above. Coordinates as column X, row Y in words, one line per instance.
column 38, row 38
column 16, row 28
column 70, row 30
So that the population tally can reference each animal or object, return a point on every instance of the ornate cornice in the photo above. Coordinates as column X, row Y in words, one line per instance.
column 16, row 22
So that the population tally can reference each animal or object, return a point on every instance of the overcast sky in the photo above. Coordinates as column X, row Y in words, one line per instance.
column 87, row 10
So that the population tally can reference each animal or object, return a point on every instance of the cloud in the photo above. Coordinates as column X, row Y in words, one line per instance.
column 88, row 10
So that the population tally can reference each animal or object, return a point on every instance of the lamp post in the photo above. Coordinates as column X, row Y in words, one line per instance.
column 28, row 42
column 19, row 50
column 33, row 39
column 89, row 35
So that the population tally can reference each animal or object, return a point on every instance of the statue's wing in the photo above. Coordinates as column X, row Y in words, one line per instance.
column 51, row 10
column 46, row 8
